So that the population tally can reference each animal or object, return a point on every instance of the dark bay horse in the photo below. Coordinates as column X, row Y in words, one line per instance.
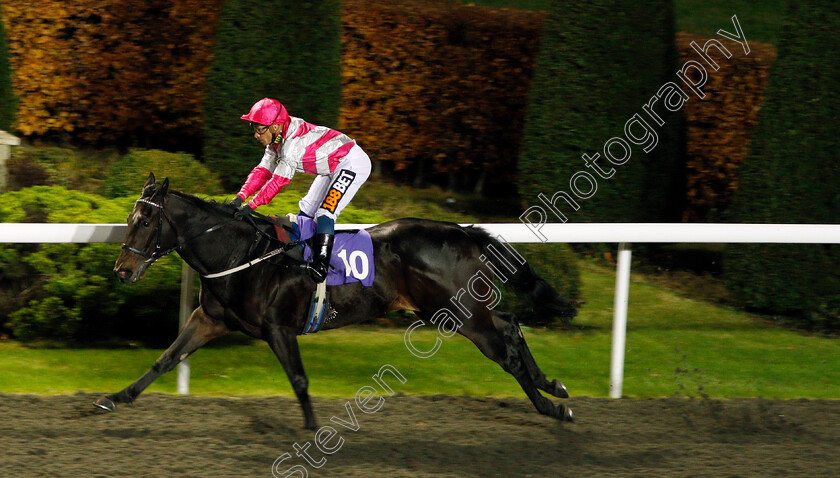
column 419, row 265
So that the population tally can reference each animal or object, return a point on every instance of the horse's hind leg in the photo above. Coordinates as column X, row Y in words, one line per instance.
column 483, row 332
column 284, row 343
column 509, row 327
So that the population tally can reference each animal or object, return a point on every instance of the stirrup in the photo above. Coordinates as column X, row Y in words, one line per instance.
column 318, row 307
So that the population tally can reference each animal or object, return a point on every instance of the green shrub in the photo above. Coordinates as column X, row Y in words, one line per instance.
column 127, row 176
column 791, row 175
column 599, row 63
column 79, row 169
column 45, row 318
column 45, row 166
column 67, row 291
column 290, row 53
column 287, row 202
column 557, row 264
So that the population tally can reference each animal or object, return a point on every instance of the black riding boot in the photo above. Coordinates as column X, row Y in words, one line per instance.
column 322, row 245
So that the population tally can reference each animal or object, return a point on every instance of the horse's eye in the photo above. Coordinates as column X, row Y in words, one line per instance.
column 145, row 223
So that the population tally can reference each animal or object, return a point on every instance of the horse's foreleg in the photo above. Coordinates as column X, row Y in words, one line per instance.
column 284, row 343
column 198, row 330
column 509, row 326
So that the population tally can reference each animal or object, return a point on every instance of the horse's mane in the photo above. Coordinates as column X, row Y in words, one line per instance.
column 205, row 204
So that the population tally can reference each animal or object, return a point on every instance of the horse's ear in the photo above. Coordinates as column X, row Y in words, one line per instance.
column 149, row 187
column 163, row 189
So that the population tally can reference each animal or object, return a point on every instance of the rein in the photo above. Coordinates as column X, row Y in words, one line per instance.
column 248, row 264
column 283, row 247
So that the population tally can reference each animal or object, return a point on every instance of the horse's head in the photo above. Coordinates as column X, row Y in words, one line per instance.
column 150, row 234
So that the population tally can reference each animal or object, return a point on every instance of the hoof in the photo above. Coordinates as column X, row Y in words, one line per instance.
column 568, row 416
column 105, row 403
column 560, row 390
column 311, row 424
column 564, row 413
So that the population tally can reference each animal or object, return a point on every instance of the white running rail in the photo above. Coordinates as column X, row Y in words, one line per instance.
column 622, row 233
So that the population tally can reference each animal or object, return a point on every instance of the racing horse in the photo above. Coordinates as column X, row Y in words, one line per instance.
column 419, row 265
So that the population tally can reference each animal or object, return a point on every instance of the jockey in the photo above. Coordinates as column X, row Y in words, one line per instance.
column 293, row 145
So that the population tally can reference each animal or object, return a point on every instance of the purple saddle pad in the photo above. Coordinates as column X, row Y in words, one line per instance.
column 352, row 256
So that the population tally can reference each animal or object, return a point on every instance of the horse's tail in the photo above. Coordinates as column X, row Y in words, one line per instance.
column 521, row 277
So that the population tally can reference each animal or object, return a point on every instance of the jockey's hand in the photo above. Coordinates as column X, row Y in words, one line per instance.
column 243, row 212
column 236, row 202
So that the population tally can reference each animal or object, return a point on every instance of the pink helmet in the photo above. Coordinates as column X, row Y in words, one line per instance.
column 267, row 112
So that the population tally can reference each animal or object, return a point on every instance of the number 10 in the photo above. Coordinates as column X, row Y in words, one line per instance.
column 360, row 272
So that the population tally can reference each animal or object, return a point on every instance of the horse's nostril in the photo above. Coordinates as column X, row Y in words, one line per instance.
column 122, row 273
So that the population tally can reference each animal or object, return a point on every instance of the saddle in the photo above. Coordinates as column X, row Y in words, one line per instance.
column 282, row 227
column 351, row 261
column 352, row 256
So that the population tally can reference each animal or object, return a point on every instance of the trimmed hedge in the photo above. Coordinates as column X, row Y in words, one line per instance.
column 791, row 174
column 108, row 71
column 718, row 128
column 127, row 176
column 7, row 105
column 432, row 87
column 290, row 53
column 599, row 63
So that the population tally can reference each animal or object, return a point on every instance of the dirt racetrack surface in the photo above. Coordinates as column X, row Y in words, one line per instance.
column 442, row 436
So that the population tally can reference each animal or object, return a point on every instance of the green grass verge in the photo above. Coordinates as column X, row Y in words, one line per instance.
column 674, row 346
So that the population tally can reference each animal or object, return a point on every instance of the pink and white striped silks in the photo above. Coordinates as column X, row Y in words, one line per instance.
column 304, row 147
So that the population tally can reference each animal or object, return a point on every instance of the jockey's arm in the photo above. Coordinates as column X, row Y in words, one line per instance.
column 281, row 174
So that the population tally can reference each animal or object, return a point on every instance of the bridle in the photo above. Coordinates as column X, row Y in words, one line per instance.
column 157, row 254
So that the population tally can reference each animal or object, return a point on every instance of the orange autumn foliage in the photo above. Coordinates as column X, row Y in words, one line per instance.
column 718, row 127
column 104, row 69
column 436, row 82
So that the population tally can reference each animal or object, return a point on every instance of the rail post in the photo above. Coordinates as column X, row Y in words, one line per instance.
column 187, row 301
column 6, row 142
column 619, row 334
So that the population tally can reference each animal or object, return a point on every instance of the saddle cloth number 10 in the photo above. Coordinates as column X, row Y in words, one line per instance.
column 358, row 265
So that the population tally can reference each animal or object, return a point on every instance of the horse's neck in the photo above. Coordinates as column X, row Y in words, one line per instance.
column 209, row 252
